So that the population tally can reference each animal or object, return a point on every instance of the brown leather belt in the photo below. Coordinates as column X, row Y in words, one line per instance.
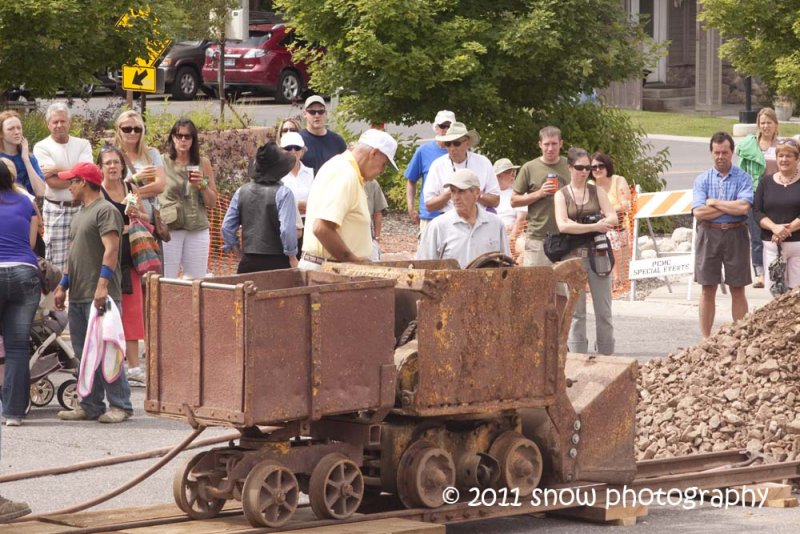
column 319, row 260
column 64, row 203
column 725, row 226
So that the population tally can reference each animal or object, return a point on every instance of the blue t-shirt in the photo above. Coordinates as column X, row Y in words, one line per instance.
column 321, row 148
column 22, row 173
column 418, row 167
column 16, row 211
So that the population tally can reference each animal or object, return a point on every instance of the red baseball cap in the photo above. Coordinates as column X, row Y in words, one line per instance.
column 85, row 171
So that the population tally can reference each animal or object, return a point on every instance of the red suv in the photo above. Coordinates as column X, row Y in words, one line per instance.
column 261, row 63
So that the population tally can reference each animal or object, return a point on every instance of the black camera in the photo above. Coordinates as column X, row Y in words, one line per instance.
column 591, row 218
column 600, row 240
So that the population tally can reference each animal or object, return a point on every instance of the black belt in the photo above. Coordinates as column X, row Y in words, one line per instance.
column 65, row 203
column 725, row 226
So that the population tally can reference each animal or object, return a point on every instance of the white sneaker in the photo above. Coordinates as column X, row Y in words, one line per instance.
column 136, row 376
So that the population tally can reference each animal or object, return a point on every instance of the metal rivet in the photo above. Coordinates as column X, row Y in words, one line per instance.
column 573, row 452
column 575, row 439
column 576, row 425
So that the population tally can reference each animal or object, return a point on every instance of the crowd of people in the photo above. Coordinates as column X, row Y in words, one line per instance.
column 312, row 199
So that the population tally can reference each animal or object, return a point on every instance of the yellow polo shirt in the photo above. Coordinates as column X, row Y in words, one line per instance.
column 337, row 195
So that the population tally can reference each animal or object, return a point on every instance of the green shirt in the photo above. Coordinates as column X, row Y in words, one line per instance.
column 192, row 212
column 531, row 178
column 86, row 250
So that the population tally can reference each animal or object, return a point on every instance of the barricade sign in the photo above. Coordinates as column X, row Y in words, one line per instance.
column 661, row 204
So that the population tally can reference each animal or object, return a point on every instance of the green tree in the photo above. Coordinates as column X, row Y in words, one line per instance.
column 506, row 67
column 760, row 38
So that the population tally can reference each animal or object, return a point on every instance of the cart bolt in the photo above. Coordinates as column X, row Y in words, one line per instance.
column 575, row 439
column 573, row 452
column 576, row 425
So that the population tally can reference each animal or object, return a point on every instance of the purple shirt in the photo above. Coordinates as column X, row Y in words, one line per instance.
column 16, row 211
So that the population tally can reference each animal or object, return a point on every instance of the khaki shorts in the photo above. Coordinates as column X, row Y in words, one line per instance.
column 534, row 254
column 423, row 225
column 718, row 249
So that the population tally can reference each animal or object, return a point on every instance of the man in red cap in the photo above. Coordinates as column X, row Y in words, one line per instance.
column 92, row 277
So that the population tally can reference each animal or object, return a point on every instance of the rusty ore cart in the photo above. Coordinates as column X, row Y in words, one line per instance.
column 397, row 378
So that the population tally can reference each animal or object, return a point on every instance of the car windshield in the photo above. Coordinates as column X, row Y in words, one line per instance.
column 254, row 40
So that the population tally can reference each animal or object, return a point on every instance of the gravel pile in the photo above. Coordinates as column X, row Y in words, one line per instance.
column 736, row 389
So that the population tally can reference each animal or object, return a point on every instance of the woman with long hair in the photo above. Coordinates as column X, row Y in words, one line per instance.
column 116, row 191
column 584, row 210
column 619, row 193
column 15, row 148
column 285, row 126
column 191, row 192
column 144, row 165
column 20, row 290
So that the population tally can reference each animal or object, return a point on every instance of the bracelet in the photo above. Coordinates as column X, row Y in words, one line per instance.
column 106, row 272
column 135, row 179
column 203, row 184
column 64, row 281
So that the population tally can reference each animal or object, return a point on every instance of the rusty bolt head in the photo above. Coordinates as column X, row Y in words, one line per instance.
column 576, row 425
column 573, row 452
column 575, row 439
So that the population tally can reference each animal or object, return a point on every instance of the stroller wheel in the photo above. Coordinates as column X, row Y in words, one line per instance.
column 42, row 392
column 68, row 394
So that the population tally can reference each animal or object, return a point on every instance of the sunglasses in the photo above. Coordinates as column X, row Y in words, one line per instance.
column 788, row 141
column 582, row 167
column 293, row 148
column 129, row 129
column 315, row 111
column 444, row 125
column 287, row 130
column 454, row 143
column 598, row 167
column 185, row 137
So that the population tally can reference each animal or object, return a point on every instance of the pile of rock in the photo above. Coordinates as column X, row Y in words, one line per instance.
column 679, row 241
column 737, row 389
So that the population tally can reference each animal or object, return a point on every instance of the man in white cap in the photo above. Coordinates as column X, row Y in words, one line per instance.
column 337, row 214
column 321, row 143
column 465, row 232
column 419, row 166
column 458, row 141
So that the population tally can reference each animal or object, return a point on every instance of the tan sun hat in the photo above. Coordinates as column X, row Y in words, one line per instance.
column 463, row 179
column 458, row 130
column 503, row 164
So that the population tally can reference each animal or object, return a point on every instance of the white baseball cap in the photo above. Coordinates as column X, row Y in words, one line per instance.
column 292, row 139
column 444, row 116
column 313, row 99
column 382, row 141
column 463, row 179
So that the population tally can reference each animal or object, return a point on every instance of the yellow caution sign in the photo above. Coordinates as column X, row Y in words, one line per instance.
column 136, row 78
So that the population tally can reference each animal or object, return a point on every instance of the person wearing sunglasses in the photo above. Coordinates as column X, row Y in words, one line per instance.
column 777, row 209
column 418, row 169
column 190, row 193
column 298, row 179
column 721, row 198
column 458, row 141
column 584, row 211
column 321, row 143
column 145, row 167
column 286, row 126
column 536, row 183
column 616, row 187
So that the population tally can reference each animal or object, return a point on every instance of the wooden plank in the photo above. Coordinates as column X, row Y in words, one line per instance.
column 381, row 526
column 35, row 527
column 615, row 515
column 772, row 494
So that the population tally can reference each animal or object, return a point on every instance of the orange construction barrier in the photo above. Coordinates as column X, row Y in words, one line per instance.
column 220, row 263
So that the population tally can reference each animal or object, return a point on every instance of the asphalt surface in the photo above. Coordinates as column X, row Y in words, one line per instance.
column 663, row 323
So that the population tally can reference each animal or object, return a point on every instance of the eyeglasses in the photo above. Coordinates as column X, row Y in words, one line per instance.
column 293, row 148
column 454, row 143
column 444, row 125
column 788, row 141
column 598, row 167
column 185, row 137
column 582, row 167
column 287, row 130
column 129, row 129
column 315, row 111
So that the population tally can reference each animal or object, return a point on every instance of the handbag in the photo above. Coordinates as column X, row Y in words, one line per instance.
column 556, row 246
column 160, row 228
column 144, row 248
column 777, row 274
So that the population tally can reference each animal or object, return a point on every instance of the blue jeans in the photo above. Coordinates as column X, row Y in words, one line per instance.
column 756, row 247
column 20, row 290
column 118, row 392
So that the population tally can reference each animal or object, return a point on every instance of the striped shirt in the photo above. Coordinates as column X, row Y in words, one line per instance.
column 736, row 185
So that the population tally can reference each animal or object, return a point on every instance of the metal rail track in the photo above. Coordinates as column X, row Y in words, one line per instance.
column 706, row 471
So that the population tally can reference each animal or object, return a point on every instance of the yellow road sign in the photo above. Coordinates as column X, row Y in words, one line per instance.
column 137, row 78
column 155, row 47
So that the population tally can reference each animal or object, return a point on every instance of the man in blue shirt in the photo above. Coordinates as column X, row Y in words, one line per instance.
column 722, row 197
column 419, row 166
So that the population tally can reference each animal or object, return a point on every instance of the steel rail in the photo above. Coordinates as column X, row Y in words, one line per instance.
column 690, row 464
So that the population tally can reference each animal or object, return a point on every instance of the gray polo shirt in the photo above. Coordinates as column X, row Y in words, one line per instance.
column 450, row 236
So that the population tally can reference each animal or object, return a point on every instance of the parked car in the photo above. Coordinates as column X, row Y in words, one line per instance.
column 261, row 63
column 182, row 69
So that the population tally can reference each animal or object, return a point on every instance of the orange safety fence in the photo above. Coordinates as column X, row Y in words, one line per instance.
column 219, row 263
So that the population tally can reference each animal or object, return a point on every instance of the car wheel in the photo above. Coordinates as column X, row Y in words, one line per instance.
column 186, row 84
column 289, row 88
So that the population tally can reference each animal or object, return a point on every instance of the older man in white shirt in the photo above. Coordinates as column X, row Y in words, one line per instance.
column 465, row 232
column 59, row 152
column 458, row 141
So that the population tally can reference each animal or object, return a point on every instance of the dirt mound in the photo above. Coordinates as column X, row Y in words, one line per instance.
column 736, row 389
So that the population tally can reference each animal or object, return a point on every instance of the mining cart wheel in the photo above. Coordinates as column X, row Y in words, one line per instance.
column 188, row 488
column 336, row 487
column 520, row 462
column 270, row 495
column 42, row 392
column 423, row 474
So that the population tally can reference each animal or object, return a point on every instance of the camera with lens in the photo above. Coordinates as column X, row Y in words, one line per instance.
column 600, row 240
